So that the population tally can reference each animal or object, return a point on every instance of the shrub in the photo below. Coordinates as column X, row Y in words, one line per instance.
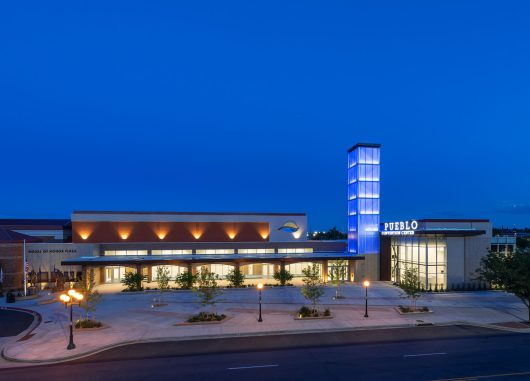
column 87, row 323
column 205, row 316
column 186, row 280
column 327, row 312
column 133, row 281
column 304, row 312
column 236, row 278
column 283, row 276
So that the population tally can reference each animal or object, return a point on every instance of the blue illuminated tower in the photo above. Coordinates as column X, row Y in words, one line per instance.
column 363, row 198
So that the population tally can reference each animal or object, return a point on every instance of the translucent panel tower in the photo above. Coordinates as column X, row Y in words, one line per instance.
column 363, row 198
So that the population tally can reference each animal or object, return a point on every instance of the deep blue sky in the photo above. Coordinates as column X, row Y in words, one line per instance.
column 247, row 106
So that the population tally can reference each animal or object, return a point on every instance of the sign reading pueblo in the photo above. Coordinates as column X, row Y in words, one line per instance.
column 399, row 228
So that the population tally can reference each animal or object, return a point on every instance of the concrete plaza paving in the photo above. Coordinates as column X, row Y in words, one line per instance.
column 130, row 317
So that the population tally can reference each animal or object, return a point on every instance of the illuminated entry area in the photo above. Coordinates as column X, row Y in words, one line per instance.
column 427, row 255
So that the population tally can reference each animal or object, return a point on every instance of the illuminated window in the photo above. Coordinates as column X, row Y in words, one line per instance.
column 170, row 252
column 296, row 250
column 255, row 251
column 296, row 268
column 426, row 254
column 258, row 270
column 221, row 270
column 214, row 251
column 125, row 252
column 173, row 271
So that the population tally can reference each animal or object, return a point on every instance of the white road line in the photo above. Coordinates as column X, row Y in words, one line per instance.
column 426, row 354
column 253, row 367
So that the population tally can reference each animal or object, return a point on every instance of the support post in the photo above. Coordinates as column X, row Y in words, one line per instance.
column 325, row 271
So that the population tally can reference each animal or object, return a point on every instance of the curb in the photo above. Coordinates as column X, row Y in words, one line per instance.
column 59, row 360
column 197, row 337
column 37, row 320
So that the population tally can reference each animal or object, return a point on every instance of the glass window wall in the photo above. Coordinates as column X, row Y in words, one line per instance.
column 426, row 254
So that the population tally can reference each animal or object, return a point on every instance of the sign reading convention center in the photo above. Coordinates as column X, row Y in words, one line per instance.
column 399, row 228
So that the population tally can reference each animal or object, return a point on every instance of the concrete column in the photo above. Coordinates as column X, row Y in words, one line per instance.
column 102, row 274
column 236, row 266
column 325, row 271
column 150, row 273
column 351, row 271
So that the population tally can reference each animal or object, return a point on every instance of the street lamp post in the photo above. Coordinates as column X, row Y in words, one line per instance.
column 260, row 287
column 69, row 299
column 366, row 285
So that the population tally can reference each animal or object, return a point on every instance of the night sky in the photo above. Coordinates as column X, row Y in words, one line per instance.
column 251, row 106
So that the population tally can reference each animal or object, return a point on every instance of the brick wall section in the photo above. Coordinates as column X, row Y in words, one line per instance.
column 11, row 263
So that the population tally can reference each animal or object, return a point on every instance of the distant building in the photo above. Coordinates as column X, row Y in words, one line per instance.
column 47, row 230
column 503, row 244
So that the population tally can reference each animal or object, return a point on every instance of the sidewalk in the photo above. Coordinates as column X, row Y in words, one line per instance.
column 130, row 318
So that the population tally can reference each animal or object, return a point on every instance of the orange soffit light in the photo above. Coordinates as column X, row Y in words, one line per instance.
column 124, row 234
column 84, row 234
column 231, row 235
column 161, row 234
column 197, row 234
column 264, row 234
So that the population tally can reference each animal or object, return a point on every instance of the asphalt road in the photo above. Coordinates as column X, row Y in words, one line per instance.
column 13, row 322
column 427, row 353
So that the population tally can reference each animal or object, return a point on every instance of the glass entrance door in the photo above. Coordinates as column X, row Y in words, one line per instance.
column 113, row 274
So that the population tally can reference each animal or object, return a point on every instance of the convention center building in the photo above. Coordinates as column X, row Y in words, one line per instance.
column 445, row 252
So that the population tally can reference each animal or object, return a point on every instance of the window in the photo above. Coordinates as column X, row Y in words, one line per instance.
column 426, row 254
column 221, row 270
column 214, row 251
column 258, row 270
column 170, row 252
column 296, row 268
column 173, row 271
column 125, row 252
column 295, row 250
column 255, row 251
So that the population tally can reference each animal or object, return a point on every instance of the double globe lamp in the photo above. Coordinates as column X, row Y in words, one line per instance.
column 69, row 299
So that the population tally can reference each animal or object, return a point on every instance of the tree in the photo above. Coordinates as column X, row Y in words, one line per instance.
column 162, row 278
column 510, row 272
column 207, row 287
column 337, row 273
column 313, row 288
column 133, row 281
column 236, row 278
column 410, row 284
column 186, row 280
column 283, row 276
column 331, row 234
column 91, row 297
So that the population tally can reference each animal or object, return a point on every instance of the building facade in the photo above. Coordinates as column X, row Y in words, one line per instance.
column 258, row 244
column 445, row 252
